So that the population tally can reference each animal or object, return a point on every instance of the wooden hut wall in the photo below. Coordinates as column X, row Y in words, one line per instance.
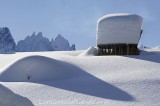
column 118, row 49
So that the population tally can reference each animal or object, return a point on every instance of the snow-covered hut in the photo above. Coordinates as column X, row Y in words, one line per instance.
column 119, row 34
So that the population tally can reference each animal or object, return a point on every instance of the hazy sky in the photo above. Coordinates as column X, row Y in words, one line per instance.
column 75, row 19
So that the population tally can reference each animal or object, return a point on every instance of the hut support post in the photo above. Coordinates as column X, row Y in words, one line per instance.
column 127, row 49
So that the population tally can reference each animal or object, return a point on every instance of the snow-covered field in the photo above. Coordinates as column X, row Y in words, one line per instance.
column 79, row 78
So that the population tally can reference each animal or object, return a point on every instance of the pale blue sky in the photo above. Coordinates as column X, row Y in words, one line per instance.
column 75, row 19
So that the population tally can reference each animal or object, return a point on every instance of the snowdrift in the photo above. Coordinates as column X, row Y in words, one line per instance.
column 43, row 70
column 8, row 98
column 98, row 80
column 91, row 51
column 37, row 68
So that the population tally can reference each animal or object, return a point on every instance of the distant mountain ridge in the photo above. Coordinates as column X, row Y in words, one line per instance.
column 60, row 43
column 32, row 43
column 39, row 43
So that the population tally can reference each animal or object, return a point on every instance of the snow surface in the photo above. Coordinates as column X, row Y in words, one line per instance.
column 99, row 80
column 119, row 28
column 38, row 68
column 8, row 98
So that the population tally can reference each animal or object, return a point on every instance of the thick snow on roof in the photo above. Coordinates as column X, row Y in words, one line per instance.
column 119, row 28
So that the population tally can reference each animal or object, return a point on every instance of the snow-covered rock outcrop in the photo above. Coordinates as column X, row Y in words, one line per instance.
column 73, row 47
column 34, row 43
column 7, row 44
column 8, row 98
column 61, row 44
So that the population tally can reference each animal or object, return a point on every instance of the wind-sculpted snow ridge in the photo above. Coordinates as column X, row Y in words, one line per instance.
column 91, row 51
column 8, row 98
column 37, row 68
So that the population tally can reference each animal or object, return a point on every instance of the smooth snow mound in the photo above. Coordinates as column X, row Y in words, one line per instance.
column 8, row 98
column 91, row 51
column 36, row 68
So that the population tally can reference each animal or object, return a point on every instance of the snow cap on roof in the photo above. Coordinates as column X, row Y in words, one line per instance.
column 119, row 28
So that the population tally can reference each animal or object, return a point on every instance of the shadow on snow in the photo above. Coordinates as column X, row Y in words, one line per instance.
column 80, row 82
column 88, row 84
column 147, row 56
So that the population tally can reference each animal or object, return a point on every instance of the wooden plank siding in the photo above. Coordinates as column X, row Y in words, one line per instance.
column 118, row 49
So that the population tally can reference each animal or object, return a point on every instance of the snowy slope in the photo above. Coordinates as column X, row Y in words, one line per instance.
column 99, row 80
column 37, row 68
column 8, row 98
